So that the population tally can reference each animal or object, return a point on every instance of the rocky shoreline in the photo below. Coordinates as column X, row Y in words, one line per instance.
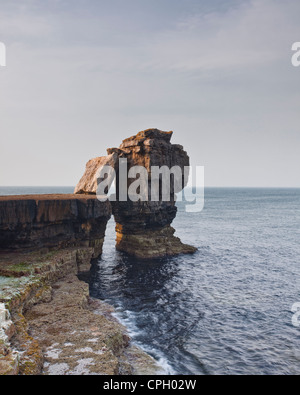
column 48, row 322
column 50, row 326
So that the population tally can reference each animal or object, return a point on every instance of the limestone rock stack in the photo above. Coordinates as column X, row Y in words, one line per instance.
column 143, row 228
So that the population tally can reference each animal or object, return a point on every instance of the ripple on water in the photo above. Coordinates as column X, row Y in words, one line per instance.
column 226, row 309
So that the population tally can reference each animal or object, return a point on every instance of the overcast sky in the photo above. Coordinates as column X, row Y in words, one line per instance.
column 82, row 75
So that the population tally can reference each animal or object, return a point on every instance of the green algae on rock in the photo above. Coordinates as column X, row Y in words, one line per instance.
column 55, row 327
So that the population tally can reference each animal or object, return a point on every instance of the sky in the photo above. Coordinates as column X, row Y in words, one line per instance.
column 82, row 75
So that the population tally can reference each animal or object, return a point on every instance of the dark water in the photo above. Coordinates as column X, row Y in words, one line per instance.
column 226, row 309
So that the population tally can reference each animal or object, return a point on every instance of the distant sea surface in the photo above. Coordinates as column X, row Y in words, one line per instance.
column 226, row 309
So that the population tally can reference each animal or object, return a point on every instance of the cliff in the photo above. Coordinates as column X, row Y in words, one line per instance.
column 47, row 320
column 48, row 323
column 52, row 221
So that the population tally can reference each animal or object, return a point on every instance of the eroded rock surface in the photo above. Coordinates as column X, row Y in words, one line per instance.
column 143, row 228
column 88, row 183
column 59, row 221
column 49, row 325
column 9, row 359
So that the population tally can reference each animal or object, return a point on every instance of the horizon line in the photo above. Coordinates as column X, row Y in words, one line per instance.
column 208, row 186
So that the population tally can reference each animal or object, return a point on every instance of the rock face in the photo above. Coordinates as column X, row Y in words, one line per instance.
column 144, row 227
column 8, row 358
column 49, row 324
column 88, row 183
column 59, row 221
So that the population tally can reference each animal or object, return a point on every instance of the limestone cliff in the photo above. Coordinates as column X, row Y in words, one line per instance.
column 58, row 221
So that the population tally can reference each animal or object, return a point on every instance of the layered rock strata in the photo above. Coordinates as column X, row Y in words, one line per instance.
column 143, row 227
column 49, row 325
column 88, row 183
column 52, row 221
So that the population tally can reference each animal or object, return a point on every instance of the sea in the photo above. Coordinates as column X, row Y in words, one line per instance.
column 231, row 308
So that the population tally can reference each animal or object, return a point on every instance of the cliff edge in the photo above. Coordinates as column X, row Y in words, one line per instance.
column 52, row 221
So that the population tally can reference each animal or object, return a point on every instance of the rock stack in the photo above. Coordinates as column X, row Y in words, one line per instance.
column 143, row 228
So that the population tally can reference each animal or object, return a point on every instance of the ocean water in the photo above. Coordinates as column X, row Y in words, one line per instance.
column 225, row 309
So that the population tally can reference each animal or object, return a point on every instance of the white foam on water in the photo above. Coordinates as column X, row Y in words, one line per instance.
column 128, row 319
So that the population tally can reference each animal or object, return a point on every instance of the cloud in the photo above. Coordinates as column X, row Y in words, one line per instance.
column 82, row 75
column 249, row 34
column 255, row 33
